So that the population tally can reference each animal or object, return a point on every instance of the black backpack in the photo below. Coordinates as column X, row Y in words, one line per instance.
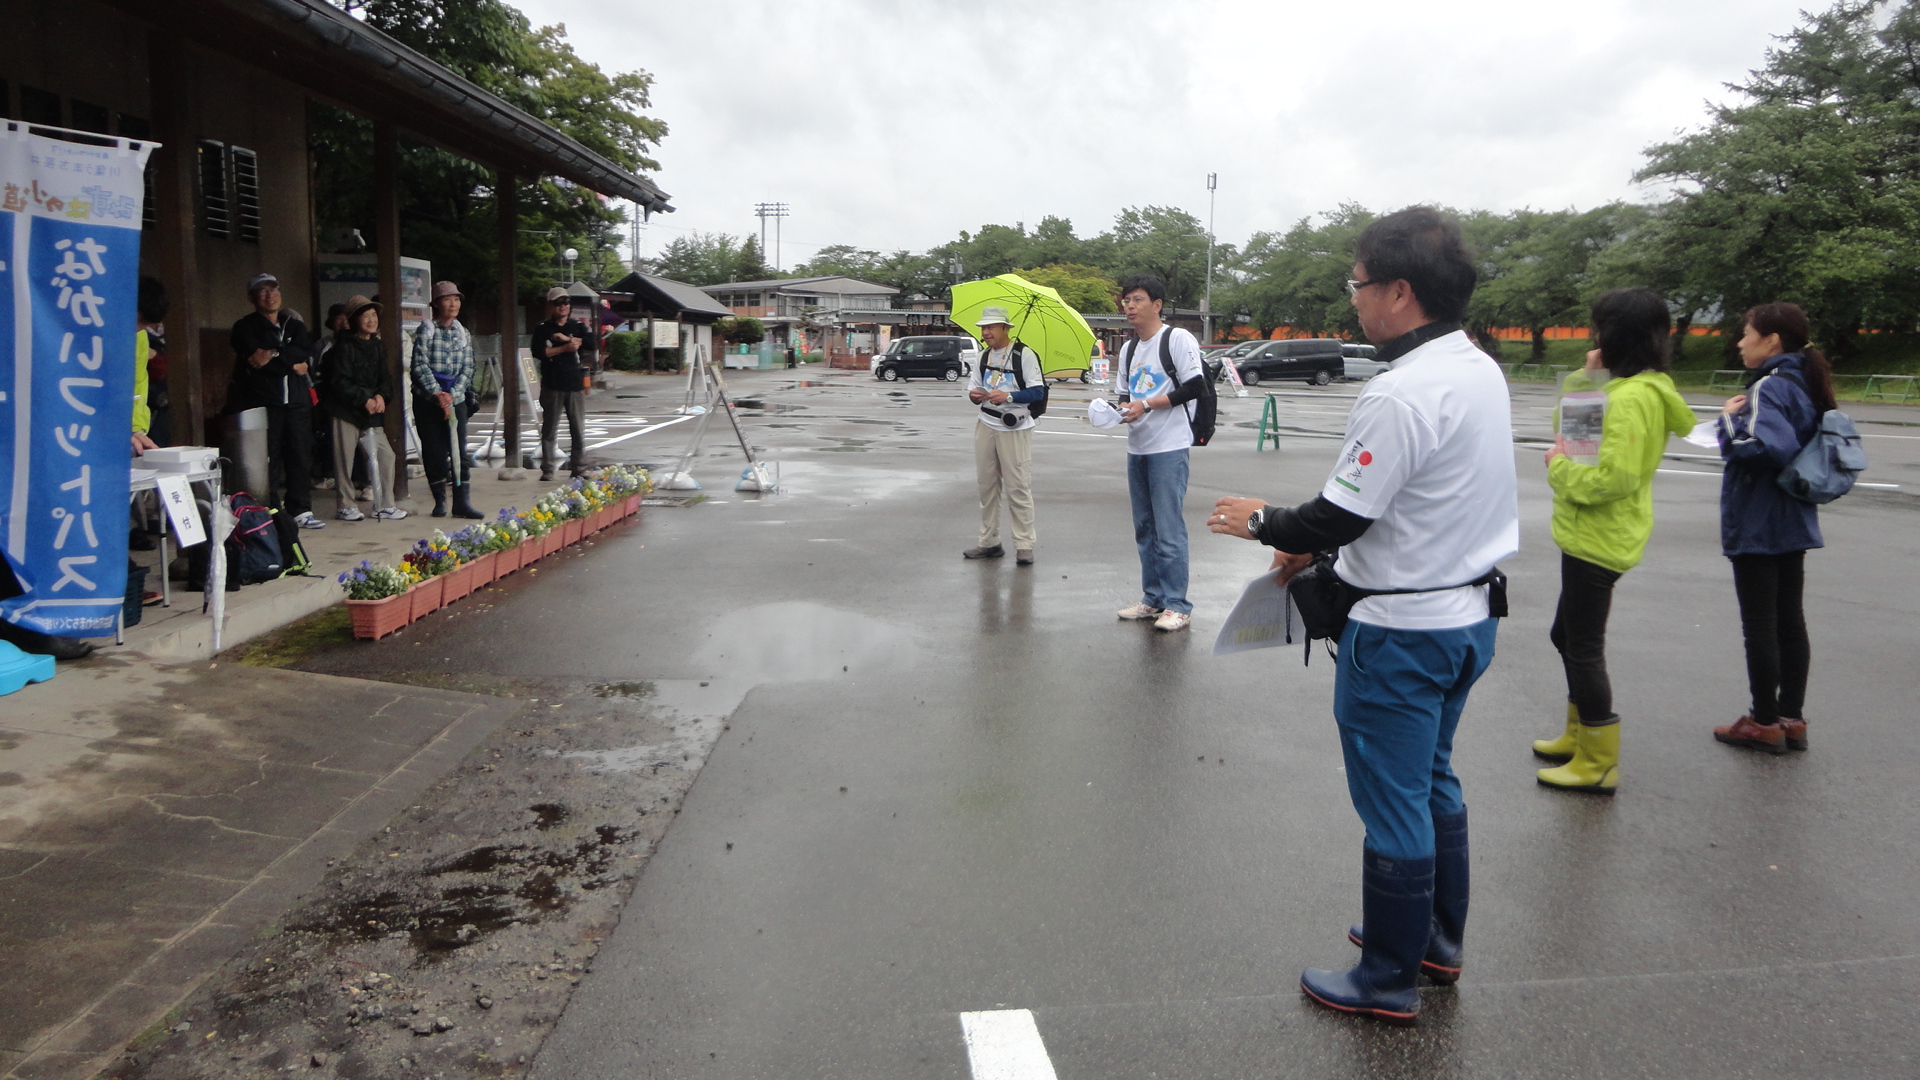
column 1035, row 409
column 253, row 550
column 1205, row 408
column 293, row 554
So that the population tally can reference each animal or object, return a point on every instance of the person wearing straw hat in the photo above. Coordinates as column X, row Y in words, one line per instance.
column 442, row 371
column 1005, row 384
column 356, row 388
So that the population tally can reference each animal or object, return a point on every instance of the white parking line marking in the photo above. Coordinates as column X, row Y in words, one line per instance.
column 1005, row 1045
column 641, row 431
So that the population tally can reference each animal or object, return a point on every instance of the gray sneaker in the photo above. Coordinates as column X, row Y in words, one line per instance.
column 1139, row 612
column 994, row 552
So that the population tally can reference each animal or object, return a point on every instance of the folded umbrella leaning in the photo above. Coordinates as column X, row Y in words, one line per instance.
column 1041, row 320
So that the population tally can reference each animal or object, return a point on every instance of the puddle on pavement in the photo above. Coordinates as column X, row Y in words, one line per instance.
column 547, row 815
column 844, row 481
column 621, row 689
column 776, row 409
column 801, row 641
column 879, row 423
column 848, row 446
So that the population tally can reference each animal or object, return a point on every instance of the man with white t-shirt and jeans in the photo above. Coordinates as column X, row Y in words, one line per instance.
column 1160, row 373
column 1422, row 504
column 1006, row 385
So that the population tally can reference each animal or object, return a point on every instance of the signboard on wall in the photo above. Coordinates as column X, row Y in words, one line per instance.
column 342, row 276
column 69, row 275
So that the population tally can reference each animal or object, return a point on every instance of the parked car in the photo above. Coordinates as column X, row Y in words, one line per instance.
column 945, row 357
column 1359, row 362
column 1317, row 360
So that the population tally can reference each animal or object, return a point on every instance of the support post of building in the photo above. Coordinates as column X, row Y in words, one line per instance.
column 169, row 63
column 386, row 224
column 507, row 199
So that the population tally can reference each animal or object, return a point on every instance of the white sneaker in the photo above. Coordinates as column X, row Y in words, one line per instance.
column 389, row 513
column 1172, row 620
column 349, row 512
column 1138, row 612
column 306, row 520
column 326, row 483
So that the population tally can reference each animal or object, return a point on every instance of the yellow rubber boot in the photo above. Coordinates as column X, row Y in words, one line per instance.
column 1559, row 749
column 1595, row 765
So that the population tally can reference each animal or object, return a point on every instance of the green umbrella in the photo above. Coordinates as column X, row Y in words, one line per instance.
column 1041, row 320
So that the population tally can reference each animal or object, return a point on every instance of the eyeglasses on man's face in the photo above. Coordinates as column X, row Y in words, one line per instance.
column 1354, row 286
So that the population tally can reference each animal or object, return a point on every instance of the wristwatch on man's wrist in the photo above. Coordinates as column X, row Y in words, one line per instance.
column 1255, row 520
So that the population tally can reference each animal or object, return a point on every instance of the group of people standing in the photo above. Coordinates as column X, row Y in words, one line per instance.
column 347, row 386
column 1420, row 507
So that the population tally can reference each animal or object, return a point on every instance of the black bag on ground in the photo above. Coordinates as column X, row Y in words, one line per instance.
column 253, row 550
column 293, row 554
column 1202, row 418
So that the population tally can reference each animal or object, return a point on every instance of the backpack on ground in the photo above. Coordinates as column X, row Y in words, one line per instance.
column 1205, row 408
column 1827, row 466
column 293, row 554
column 253, row 551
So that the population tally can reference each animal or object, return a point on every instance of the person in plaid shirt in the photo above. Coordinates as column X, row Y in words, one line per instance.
column 442, row 373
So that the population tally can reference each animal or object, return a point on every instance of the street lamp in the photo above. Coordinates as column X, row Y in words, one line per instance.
column 570, row 255
column 1206, row 305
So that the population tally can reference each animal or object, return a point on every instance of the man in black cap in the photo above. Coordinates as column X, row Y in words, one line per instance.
column 557, row 344
column 272, row 352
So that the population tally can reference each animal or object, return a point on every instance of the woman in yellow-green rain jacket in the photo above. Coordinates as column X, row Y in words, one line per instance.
column 1602, row 516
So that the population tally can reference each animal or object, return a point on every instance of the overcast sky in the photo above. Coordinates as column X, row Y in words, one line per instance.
column 896, row 123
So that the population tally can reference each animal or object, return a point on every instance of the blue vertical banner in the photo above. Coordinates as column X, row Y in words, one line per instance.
column 69, row 276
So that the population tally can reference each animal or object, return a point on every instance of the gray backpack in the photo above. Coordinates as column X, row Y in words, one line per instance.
column 1825, row 468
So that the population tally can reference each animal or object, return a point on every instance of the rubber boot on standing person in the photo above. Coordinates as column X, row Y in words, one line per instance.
column 1601, row 470
column 1766, row 532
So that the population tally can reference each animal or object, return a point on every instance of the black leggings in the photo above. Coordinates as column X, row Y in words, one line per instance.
column 1769, row 588
column 1580, row 633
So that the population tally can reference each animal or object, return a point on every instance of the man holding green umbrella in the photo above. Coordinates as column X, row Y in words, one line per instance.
column 1006, row 385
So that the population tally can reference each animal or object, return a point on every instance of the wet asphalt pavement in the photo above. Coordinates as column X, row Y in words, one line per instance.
column 954, row 787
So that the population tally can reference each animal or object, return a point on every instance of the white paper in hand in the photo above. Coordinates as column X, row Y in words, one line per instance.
column 1102, row 414
column 1705, row 435
column 1259, row 620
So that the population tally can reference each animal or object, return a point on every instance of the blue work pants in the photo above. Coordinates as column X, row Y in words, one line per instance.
column 1158, row 486
column 1397, row 696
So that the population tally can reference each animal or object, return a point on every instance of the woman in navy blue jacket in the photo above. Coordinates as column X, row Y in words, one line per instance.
column 1765, row 531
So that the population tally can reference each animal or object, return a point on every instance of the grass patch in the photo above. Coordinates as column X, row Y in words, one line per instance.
column 293, row 642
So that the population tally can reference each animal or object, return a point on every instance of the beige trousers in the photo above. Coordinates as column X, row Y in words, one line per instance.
column 1004, row 462
column 346, row 439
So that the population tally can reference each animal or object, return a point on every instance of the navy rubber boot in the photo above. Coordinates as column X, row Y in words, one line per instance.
column 1445, row 944
column 1396, row 906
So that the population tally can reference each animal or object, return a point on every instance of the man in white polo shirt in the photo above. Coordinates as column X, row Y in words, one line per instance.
column 1421, row 504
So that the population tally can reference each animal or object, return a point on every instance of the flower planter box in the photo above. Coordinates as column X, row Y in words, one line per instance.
column 375, row 619
column 631, row 506
column 510, row 559
column 550, row 543
column 458, row 583
column 427, row 597
column 485, row 569
column 598, row 520
column 570, row 531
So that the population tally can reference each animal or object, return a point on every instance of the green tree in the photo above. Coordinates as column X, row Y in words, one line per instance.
column 843, row 260
column 705, row 259
column 1086, row 289
column 447, row 212
column 741, row 330
column 1808, row 190
column 1298, row 278
column 1166, row 242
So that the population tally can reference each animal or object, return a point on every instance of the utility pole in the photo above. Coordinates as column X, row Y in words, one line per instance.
column 776, row 211
column 1206, row 305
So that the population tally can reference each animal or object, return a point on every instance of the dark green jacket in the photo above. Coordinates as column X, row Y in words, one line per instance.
column 355, row 370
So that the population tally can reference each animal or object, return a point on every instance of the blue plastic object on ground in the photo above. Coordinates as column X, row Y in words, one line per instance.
column 17, row 668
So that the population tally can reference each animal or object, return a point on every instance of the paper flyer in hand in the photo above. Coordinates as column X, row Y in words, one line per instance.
column 1705, row 434
column 1260, row 619
column 1583, row 413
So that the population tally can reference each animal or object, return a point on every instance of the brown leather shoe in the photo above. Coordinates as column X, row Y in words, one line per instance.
column 1794, row 730
column 1766, row 738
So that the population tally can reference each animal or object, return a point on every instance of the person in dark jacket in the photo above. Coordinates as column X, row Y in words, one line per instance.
column 272, row 352
column 356, row 393
column 1765, row 531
